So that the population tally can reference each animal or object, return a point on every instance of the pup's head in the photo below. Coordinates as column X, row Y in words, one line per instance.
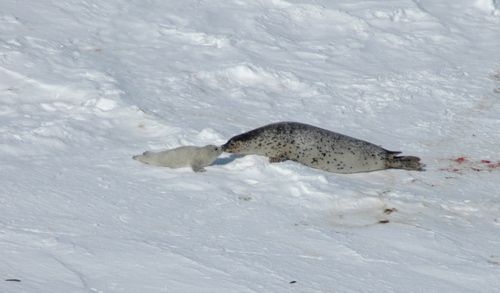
column 213, row 149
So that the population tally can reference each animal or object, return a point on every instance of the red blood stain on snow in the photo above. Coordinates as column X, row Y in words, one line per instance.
column 494, row 165
column 461, row 164
column 490, row 164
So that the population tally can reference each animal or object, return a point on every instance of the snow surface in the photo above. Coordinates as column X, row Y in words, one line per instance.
column 86, row 84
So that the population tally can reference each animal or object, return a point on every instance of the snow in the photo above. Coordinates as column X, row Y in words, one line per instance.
column 85, row 85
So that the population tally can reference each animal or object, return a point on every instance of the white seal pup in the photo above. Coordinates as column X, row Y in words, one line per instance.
column 185, row 156
column 317, row 148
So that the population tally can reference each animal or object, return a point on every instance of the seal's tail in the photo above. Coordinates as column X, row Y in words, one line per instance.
column 405, row 162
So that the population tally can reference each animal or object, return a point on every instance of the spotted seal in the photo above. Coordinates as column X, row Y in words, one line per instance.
column 185, row 156
column 317, row 148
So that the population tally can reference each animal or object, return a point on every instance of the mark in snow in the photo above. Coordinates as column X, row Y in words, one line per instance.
column 460, row 165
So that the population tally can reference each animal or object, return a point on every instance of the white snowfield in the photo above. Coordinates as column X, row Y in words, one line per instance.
column 86, row 84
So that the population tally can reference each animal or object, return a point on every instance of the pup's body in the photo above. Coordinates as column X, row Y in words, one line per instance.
column 185, row 156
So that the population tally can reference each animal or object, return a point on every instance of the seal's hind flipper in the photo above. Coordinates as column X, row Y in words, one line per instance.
column 405, row 162
column 393, row 153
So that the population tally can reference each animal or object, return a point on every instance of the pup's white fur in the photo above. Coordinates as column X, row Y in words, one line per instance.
column 185, row 156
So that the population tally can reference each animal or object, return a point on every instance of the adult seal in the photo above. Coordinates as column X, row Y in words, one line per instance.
column 318, row 148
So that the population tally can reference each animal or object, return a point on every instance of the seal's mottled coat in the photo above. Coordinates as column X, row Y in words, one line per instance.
column 317, row 148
